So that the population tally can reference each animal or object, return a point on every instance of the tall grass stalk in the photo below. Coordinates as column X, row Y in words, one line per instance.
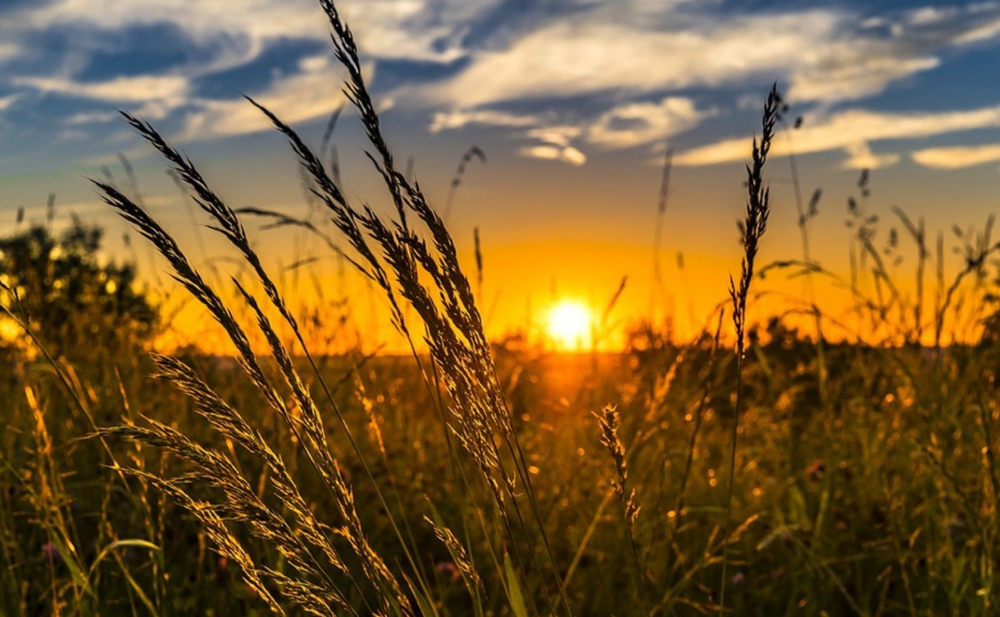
column 805, row 214
column 754, row 225
column 918, row 234
column 609, row 422
column 661, row 211
column 699, row 416
column 474, row 152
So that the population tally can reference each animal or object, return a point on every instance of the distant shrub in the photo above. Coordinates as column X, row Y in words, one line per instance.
column 72, row 301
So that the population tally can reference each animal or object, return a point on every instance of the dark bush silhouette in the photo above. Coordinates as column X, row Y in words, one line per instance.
column 70, row 299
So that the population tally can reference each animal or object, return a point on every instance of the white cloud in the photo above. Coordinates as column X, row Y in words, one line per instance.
column 576, row 57
column 556, row 144
column 860, row 156
column 295, row 98
column 851, row 131
column 7, row 101
column 303, row 96
column 957, row 157
column 853, row 73
column 640, row 47
column 622, row 126
column 8, row 51
column 642, row 123
column 930, row 15
column 825, row 55
column 572, row 156
column 457, row 119
column 556, row 135
column 90, row 118
column 416, row 29
column 120, row 90
column 567, row 154
column 314, row 64
column 981, row 32
column 226, row 34
column 156, row 110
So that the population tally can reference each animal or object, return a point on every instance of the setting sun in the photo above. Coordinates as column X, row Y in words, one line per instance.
column 569, row 325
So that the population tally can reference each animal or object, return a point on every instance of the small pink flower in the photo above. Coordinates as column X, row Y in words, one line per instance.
column 51, row 552
column 448, row 570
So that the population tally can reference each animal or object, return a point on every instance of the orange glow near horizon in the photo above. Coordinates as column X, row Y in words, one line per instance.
column 551, row 296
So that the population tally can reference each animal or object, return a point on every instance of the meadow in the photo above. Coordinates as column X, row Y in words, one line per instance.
column 759, row 468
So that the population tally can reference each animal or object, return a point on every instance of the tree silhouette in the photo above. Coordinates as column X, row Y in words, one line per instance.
column 69, row 298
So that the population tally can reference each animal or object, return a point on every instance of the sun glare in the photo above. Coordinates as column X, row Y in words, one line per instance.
column 569, row 325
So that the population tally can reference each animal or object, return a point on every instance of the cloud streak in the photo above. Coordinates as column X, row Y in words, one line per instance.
column 219, row 36
column 457, row 119
column 826, row 55
column 551, row 152
column 414, row 29
column 851, row 131
column 622, row 126
column 635, row 124
column 301, row 97
column 143, row 88
column 957, row 157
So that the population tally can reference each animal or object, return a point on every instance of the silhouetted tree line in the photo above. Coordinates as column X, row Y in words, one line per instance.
column 70, row 300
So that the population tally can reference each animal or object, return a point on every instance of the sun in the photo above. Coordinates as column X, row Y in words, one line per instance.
column 569, row 325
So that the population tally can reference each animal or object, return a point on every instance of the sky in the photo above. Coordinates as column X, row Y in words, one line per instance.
column 573, row 102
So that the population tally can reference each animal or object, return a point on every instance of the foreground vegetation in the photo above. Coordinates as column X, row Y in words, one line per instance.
column 751, row 470
column 879, row 500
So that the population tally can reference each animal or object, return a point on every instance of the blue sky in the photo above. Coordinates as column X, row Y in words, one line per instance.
column 581, row 92
column 565, row 78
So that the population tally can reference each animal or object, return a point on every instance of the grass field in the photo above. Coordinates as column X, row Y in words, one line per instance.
column 755, row 470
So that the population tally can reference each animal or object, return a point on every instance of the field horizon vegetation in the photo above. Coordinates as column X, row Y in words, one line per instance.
column 778, row 462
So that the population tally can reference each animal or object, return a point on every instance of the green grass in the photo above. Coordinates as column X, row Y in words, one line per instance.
column 780, row 476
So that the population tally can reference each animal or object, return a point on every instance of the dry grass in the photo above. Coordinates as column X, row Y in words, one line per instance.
column 754, row 225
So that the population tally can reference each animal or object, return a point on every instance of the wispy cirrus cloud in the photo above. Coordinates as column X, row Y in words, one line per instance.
column 634, row 124
column 214, row 37
column 860, row 156
column 559, row 135
column 139, row 89
column 555, row 143
column 622, row 126
column 583, row 56
column 826, row 55
column 8, row 101
column 553, row 152
column 8, row 51
column 457, row 119
column 957, row 157
column 852, row 131
column 828, row 58
column 306, row 95
column 95, row 117
column 412, row 29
